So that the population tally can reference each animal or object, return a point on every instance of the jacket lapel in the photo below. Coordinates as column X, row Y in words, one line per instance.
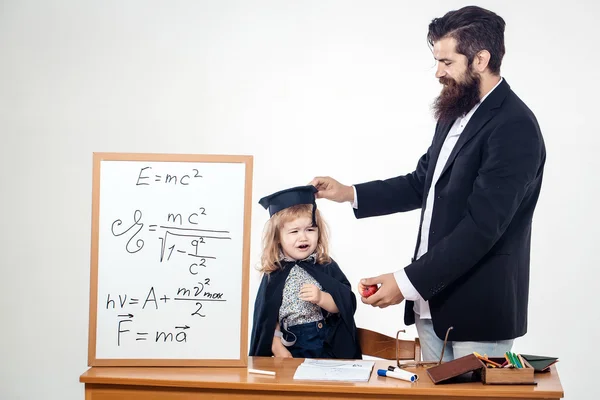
column 439, row 137
column 481, row 116
column 441, row 131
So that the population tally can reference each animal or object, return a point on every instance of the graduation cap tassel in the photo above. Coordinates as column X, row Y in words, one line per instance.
column 314, row 213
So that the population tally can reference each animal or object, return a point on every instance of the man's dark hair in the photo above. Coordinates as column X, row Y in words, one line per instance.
column 474, row 29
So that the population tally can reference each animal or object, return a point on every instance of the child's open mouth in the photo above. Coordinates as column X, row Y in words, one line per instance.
column 303, row 247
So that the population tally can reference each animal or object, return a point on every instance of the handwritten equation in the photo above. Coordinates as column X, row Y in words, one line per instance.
column 146, row 177
column 196, row 237
column 196, row 294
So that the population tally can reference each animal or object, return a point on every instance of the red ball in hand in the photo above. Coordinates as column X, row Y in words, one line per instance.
column 370, row 290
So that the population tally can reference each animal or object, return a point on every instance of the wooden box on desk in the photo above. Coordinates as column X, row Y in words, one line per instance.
column 507, row 376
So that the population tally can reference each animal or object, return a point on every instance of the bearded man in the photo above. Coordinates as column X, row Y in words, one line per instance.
column 477, row 187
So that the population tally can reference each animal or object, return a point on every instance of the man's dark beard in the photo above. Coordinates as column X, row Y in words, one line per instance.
column 457, row 99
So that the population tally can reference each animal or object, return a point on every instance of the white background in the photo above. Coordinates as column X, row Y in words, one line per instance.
column 341, row 88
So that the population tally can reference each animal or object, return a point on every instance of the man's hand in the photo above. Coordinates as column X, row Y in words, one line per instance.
column 311, row 293
column 331, row 189
column 388, row 293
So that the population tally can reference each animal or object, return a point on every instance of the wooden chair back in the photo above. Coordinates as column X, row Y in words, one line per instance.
column 378, row 345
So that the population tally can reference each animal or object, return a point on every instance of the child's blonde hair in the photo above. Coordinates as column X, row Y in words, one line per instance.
column 272, row 238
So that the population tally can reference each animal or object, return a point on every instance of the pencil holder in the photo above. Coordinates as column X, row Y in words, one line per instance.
column 506, row 376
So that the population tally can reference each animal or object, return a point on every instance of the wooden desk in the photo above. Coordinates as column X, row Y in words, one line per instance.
column 159, row 383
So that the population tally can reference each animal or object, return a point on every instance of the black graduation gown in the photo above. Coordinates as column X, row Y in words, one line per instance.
column 342, row 337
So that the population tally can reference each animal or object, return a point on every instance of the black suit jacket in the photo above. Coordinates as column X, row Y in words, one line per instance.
column 475, row 273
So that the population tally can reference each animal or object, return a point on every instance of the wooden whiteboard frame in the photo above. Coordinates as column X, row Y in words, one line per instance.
column 242, row 361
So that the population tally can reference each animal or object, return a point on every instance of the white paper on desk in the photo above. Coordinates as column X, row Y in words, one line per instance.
column 334, row 370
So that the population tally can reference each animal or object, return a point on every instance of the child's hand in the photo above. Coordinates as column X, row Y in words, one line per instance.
column 279, row 350
column 282, row 352
column 310, row 293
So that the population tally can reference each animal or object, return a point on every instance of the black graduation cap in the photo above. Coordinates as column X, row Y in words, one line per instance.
column 290, row 197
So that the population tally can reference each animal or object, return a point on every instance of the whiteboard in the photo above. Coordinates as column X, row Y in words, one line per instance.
column 170, row 258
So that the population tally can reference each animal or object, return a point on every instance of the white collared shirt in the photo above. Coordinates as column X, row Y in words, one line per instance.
column 409, row 292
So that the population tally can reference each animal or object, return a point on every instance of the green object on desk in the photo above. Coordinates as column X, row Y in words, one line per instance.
column 540, row 363
column 511, row 359
column 517, row 361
